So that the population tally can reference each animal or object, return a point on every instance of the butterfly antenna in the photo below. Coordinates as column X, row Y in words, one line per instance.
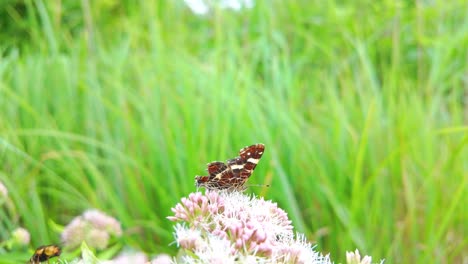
column 259, row 185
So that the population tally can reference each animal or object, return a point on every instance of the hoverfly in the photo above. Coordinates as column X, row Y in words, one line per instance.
column 44, row 253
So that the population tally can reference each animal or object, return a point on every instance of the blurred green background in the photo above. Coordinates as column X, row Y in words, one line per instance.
column 362, row 106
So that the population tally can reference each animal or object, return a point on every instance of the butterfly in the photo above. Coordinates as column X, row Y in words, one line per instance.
column 233, row 174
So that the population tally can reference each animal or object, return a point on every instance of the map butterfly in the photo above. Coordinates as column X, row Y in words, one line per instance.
column 233, row 174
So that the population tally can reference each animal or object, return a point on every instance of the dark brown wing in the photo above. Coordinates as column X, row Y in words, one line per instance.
column 250, row 156
column 215, row 167
column 235, row 173
column 236, row 165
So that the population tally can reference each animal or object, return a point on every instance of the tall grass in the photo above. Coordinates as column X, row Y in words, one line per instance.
column 362, row 108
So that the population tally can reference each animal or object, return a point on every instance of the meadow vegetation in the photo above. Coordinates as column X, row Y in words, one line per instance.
column 362, row 107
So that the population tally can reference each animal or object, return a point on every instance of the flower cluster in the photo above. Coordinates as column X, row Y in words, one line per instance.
column 138, row 258
column 355, row 258
column 162, row 259
column 230, row 227
column 124, row 258
column 203, row 7
column 93, row 227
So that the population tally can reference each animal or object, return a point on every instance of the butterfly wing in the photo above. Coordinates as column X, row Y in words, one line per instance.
column 234, row 173
column 250, row 156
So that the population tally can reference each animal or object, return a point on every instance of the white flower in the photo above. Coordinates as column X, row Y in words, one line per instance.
column 216, row 250
column 199, row 7
column 355, row 258
column 162, row 259
column 21, row 236
column 236, row 4
column 125, row 258
column 190, row 239
column 203, row 7
column 298, row 250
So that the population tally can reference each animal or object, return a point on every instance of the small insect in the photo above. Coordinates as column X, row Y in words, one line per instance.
column 44, row 253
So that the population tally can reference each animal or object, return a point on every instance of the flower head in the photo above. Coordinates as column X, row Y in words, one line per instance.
column 355, row 258
column 21, row 236
column 75, row 232
column 231, row 226
column 298, row 250
column 126, row 257
column 101, row 221
column 216, row 250
column 97, row 238
column 162, row 259
column 93, row 227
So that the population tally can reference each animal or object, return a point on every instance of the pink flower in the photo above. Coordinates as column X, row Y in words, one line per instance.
column 93, row 227
column 225, row 227
column 197, row 207
column 75, row 232
column 126, row 258
column 162, row 259
column 101, row 221
column 98, row 239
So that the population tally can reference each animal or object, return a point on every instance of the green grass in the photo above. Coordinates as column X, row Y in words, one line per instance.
column 362, row 107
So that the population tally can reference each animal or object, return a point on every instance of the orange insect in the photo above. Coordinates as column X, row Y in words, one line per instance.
column 44, row 253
